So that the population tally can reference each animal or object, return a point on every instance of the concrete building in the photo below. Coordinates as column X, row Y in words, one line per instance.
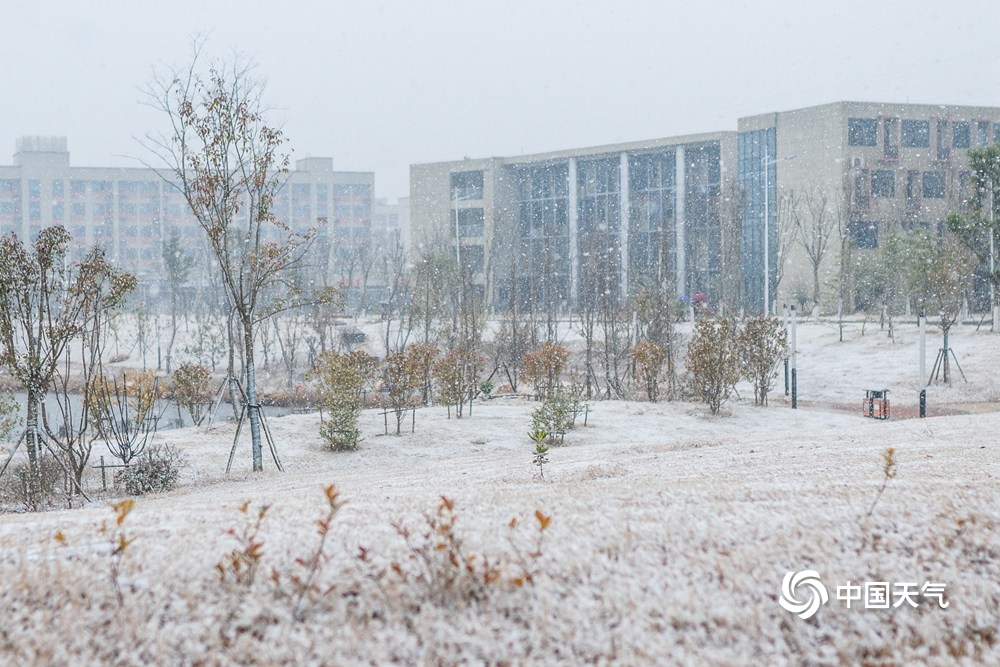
column 133, row 210
column 557, row 229
column 690, row 212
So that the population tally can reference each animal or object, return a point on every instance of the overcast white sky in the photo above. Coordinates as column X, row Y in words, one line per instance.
column 381, row 85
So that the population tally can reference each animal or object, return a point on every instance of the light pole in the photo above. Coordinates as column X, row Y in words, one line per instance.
column 766, row 163
column 993, row 297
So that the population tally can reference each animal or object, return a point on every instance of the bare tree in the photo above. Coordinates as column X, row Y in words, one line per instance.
column 177, row 264
column 788, row 212
column 814, row 232
column 44, row 307
column 940, row 271
column 226, row 161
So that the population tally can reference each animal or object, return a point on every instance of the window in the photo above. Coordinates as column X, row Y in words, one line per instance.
column 883, row 183
column 467, row 185
column 472, row 258
column 933, row 184
column 864, row 234
column 862, row 131
column 982, row 133
column 470, row 222
column 943, row 140
column 961, row 134
column 915, row 134
column 890, row 141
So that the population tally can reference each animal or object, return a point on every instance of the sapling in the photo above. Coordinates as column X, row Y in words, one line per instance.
column 540, row 458
column 313, row 563
column 242, row 562
column 119, row 542
column 888, row 472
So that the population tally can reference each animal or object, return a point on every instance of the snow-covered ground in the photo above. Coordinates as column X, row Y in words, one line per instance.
column 671, row 532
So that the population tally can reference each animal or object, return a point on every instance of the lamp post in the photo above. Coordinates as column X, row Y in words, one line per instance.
column 993, row 298
column 766, row 162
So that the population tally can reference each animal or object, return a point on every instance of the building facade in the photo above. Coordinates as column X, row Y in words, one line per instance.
column 854, row 171
column 131, row 211
column 706, row 213
column 556, row 230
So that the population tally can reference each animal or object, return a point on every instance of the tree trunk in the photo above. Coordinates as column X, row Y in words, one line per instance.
column 31, row 428
column 173, row 329
column 944, row 360
column 231, row 378
column 253, row 408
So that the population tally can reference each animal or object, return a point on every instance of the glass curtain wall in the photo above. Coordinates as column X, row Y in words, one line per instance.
column 754, row 148
column 599, row 227
column 652, row 224
column 703, row 236
column 541, row 271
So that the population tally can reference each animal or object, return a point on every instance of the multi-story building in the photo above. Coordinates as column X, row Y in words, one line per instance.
column 133, row 210
column 558, row 229
column 704, row 213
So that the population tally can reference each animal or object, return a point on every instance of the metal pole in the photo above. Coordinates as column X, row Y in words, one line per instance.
column 784, row 312
column 767, row 269
column 922, row 324
column 993, row 303
column 458, row 239
column 794, row 364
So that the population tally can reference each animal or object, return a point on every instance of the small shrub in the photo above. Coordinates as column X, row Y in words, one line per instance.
column 555, row 416
column 16, row 484
column 339, row 380
column 155, row 471
column 762, row 342
column 400, row 382
column 240, row 565
column 714, row 360
column 544, row 366
column 440, row 566
column 193, row 390
column 457, row 373
column 649, row 357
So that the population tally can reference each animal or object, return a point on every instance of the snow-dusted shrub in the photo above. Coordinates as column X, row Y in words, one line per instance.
column 554, row 416
column 16, row 487
column 649, row 357
column 714, row 360
column 440, row 568
column 544, row 366
column 762, row 342
column 339, row 379
column 193, row 390
column 400, row 382
column 156, row 470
